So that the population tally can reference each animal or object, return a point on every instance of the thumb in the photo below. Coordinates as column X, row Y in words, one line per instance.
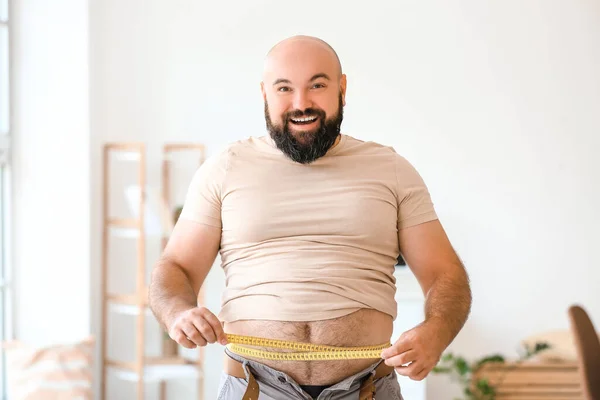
column 402, row 344
column 389, row 352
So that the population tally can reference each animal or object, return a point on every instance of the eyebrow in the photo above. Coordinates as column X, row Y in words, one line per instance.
column 315, row 76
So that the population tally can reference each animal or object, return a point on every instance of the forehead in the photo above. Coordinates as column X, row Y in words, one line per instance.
column 299, row 62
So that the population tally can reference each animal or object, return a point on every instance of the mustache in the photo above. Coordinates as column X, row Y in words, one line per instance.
column 307, row 113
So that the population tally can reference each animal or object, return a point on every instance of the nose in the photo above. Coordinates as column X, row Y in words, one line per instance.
column 302, row 100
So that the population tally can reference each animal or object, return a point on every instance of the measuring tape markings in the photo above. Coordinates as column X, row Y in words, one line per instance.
column 302, row 351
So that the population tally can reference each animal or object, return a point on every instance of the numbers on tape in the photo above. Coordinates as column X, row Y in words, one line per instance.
column 300, row 351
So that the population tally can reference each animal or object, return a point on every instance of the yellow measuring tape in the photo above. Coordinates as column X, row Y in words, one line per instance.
column 300, row 351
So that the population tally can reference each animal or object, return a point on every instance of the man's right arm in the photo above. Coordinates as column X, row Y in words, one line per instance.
column 176, row 281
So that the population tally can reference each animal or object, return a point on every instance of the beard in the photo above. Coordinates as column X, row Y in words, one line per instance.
column 304, row 147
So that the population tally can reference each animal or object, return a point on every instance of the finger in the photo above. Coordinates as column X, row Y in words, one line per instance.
column 399, row 347
column 180, row 338
column 216, row 326
column 205, row 330
column 409, row 370
column 402, row 359
column 421, row 375
column 192, row 334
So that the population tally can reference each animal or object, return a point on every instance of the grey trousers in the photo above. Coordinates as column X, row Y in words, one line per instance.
column 275, row 385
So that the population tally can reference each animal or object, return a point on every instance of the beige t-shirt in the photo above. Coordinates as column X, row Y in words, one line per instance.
column 307, row 242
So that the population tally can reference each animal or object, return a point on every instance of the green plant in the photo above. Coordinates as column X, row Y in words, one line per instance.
column 461, row 371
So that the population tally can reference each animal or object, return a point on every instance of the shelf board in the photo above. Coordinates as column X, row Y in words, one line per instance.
column 125, row 232
column 131, row 223
column 169, row 361
column 124, row 227
column 128, row 309
column 171, row 147
column 157, row 371
column 127, row 303
column 125, row 299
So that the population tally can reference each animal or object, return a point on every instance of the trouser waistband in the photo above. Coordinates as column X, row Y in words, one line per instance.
column 239, row 367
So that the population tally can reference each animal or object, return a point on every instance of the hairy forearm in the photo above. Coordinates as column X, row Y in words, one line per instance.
column 448, row 303
column 170, row 292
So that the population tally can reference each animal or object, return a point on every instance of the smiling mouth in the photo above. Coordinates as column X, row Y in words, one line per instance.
column 303, row 121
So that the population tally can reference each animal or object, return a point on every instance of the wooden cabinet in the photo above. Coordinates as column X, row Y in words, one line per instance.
column 534, row 381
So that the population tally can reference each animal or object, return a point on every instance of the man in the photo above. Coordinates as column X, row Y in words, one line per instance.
column 309, row 223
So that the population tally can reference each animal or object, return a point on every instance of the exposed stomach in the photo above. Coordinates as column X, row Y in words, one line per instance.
column 365, row 327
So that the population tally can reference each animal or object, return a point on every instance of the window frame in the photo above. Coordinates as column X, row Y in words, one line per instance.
column 6, row 284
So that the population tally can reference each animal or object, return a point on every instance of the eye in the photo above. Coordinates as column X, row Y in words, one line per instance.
column 283, row 89
column 318, row 85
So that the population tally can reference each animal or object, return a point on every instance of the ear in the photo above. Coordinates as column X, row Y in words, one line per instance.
column 343, row 83
column 262, row 90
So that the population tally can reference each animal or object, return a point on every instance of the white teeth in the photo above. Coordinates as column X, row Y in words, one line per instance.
column 308, row 119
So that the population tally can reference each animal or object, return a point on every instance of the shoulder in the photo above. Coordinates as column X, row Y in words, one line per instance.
column 387, row 157
column 244, row 148
column 359, row 146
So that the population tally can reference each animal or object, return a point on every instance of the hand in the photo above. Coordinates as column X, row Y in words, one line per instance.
column 197, row 327
column 417, row 351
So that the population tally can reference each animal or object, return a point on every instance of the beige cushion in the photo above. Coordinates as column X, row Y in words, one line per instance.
column 57, row 372
column 562, row 345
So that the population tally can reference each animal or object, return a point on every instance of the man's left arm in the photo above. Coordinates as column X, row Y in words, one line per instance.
column 428, row 253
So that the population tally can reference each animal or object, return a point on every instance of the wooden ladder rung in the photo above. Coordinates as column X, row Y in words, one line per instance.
column 121, row 364
column 130, row 299
column 182, row 147
column 123, row 223
column 132, row 146
column 167, row 361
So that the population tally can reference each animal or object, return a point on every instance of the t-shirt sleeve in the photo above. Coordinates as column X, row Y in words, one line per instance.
column 203, row 199
column 414, row 201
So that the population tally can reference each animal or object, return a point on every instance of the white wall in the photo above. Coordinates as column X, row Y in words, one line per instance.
column 496, row 103
column 51, row 192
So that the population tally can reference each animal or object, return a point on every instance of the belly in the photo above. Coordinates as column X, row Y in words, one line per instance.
column 362, row 328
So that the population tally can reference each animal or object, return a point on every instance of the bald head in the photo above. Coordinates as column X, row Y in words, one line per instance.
column 302, row 49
